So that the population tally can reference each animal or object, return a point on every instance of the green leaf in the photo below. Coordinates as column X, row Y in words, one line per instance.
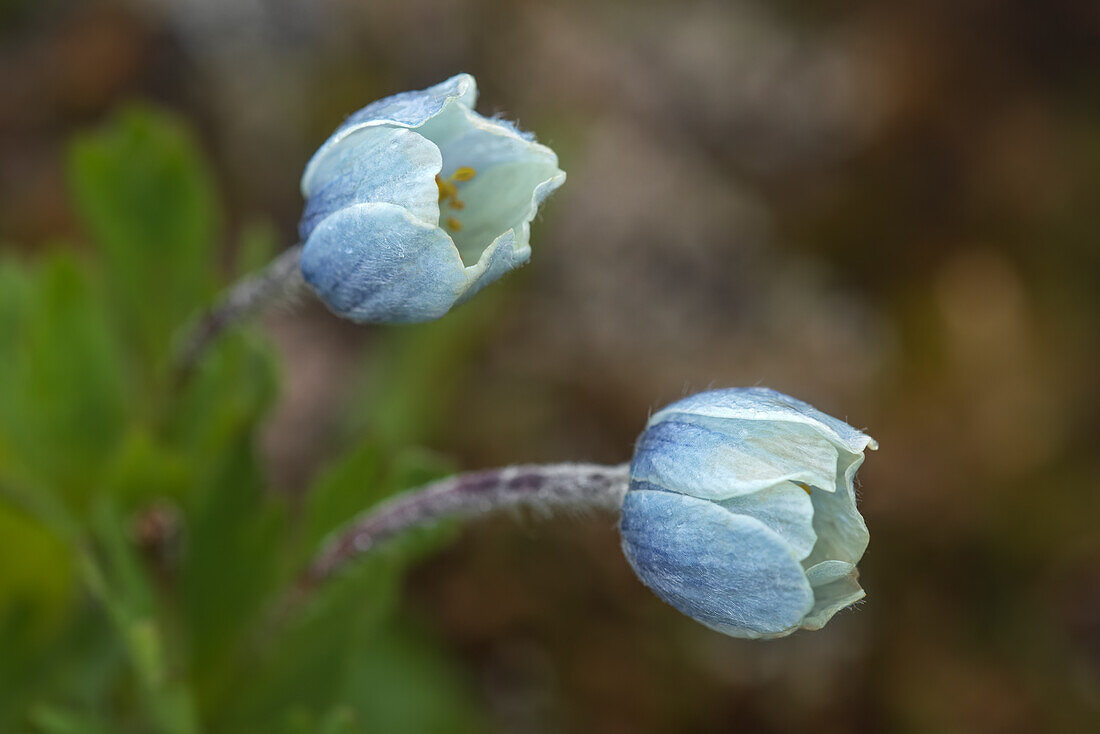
column 63, row 402
column 399, row 681
column 121, row 582
column 225, row 398
column 143, row 469
column 80, row 666
column 15, row 294
column 91, row 434
column 56, row 720
column 148, row 200
column 232, row 566
column 302, row 665
column 301, row 677
column 302, row 670
column 356, row 482
column 36, row 575
column 339, row 720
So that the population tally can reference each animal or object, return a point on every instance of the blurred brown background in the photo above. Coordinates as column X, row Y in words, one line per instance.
column 889, row 210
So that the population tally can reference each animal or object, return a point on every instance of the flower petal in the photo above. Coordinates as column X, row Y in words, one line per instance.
column 512, row 248
column 513, row 175
column 377, row 262
column 841, row 532
column 408, row 110
column 827, row 572
column 467, row 138
column 831, row 598
column 728, row 571
column 499, row 257
column 497, row 201
column 786, row 509
column 722, row 458
column 764, row 404
column 376, row 164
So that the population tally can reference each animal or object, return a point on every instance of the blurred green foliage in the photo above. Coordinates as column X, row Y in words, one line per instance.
column 142, row 554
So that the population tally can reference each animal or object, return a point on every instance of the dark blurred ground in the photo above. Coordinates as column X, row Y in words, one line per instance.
column 888, row 210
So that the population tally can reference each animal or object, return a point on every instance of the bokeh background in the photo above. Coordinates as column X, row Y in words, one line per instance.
column 886, row 209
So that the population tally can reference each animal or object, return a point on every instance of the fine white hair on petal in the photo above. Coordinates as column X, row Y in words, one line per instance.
column 718, row 459
column 762, row 403
column 371, row 262
column 728, row 571
column 406, row 109
column 376, row 164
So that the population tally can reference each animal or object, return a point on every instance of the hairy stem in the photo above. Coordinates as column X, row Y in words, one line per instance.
column 546, row 487
column 279, row 281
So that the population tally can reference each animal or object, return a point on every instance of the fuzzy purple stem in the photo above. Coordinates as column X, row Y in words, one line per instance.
column 545, row 488
column 280, row 280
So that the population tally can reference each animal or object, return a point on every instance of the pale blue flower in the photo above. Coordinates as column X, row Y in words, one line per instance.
column 741, row 511
column 416, row 202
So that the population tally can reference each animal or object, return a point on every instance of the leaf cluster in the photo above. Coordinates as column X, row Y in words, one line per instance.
column 143, row 551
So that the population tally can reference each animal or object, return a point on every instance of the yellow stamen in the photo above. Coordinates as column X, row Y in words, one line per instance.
column 805, row 487
column 446, row 188
column 448, row 192
column 463, row 173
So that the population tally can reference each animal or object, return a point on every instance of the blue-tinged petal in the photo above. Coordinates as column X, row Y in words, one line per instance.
column 542, row 191
column 720, row 459
column 388, row 165
column 830, row 598
column 841, row 532
column 467, row 138
column 764, row 404
column 413, row 109
column 497, row 201
column 408, row 110
column 512, row 175
column 499, row 257
column 512, row 248
column 786, row 509
column 539, row 195
column 728, row 571
column 379, row 263
column 826, row 572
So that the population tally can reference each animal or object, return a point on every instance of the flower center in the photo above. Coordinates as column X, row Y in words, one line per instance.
column 448, row 193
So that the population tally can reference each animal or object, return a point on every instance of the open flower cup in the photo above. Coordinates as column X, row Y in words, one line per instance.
column 416, row 202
